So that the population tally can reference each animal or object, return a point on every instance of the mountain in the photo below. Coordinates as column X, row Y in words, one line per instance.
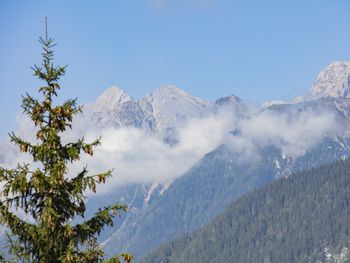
column 158, row 112
column 270, row 103
column 221, row 177
column 339, row 107
column 195, row 198
column 137, row 196
column 233, row 104
column 115, row 108
column 161, row 211
column 170, row 106
column 333, row 81
column 231, row 100
column 111, row 100
column 302, row 218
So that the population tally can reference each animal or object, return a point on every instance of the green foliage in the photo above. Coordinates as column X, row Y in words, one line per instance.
column 290, row 220
column 48, row 196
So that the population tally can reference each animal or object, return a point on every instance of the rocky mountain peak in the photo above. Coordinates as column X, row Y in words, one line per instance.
column 229, row 100
column 112, row 98
column 167, row 93
column 170, row 89
column 169, row 105
column 333, row 81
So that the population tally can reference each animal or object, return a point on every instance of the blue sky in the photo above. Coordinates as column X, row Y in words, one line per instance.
column 257, row 50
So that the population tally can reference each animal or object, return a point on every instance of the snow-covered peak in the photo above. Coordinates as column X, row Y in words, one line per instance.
column 174, row 95
column 333, row 81
column 272, row 102
column 169, row 105
column 169, row 93
column 111, row 99
column 170, row 89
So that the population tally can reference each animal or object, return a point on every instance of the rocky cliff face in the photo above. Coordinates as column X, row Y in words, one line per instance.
column 170, row 106
column 160, row 112
column 333, row 81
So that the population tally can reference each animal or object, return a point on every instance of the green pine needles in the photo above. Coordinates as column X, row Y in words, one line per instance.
column 48, row 196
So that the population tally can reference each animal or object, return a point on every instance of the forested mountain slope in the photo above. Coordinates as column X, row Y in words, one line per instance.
column 304, row 218
column 207, row 189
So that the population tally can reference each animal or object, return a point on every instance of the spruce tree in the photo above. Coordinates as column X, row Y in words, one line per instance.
column 49, row 196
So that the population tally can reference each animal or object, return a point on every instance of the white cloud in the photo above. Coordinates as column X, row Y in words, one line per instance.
column 141, row 157
column 292, row 134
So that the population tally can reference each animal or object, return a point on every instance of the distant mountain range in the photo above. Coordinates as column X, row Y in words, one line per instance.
column 161, row 211
column 220, row 177
column 159, row 112
column 206, row 189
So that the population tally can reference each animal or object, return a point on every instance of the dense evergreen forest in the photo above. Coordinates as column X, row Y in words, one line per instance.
column 303, row 218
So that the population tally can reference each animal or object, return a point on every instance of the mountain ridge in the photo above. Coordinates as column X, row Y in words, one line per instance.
column 162, row 108
column 231, row 178
column 303, row 218
column 333, row 81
